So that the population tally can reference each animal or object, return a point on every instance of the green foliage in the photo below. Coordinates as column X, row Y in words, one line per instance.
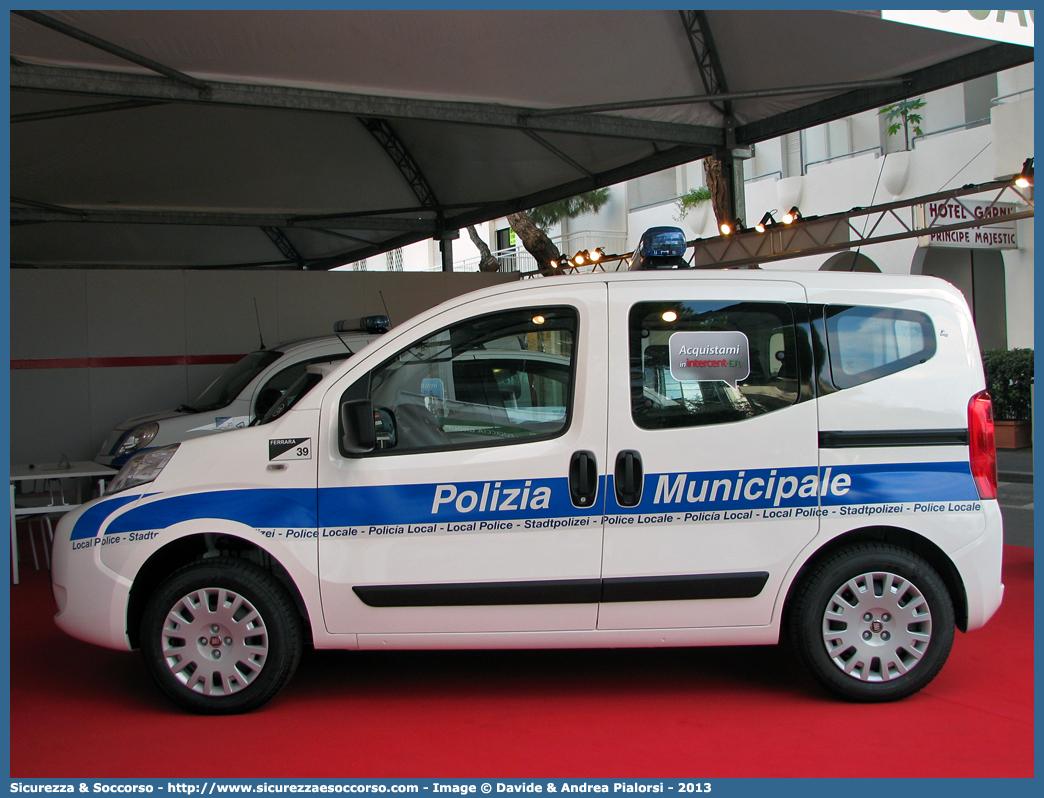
column 1009, row 375
column 902, row 115
column 690, row 200
column 569, row 208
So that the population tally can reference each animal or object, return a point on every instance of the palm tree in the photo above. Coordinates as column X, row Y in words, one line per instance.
column 531, row 226
column 531, row 229
column 718, row 186
column 487, row 262
column 536, row 242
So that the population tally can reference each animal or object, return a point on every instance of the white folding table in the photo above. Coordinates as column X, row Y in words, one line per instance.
column 79, row 470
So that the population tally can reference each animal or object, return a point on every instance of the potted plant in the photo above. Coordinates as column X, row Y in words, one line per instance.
column 1009, row 380
column 695, row 199
column 902, row 115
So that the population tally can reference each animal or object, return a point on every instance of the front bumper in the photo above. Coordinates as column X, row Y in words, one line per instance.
column 92, row 599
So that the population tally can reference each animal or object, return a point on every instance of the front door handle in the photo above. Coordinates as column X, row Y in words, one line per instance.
column 629, row 478
column 583, row 479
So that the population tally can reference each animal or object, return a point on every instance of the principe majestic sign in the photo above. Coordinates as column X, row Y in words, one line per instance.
column 996, row 232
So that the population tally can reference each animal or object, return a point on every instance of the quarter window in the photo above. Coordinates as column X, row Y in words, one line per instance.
column 277, row 385
column 696, row 363
column 497, row 379
column 867, row 343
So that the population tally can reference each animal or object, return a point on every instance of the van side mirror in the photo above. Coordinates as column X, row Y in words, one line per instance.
column 358, row 431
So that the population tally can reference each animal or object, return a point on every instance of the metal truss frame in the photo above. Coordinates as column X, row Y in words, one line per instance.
column 403, row 159
column 839, row 231
column 283, row 244
column 159, row 89
column 684, row 142
column 42, row 212
column 706, row 54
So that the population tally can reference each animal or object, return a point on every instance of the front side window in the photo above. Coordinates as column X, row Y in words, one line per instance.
column 697, row 363
column 867, row 343
column 496, row 379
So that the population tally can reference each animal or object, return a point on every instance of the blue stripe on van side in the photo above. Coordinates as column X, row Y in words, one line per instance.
column 542, row 498
column 828, row 486
column 905, row 482
column 451, row 501
column 258, row 508
column 90, row 521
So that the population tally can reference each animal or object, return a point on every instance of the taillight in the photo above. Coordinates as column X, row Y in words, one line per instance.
column 983, row 449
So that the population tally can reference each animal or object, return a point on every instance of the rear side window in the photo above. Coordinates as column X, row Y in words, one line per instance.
column 698, row 363
column 867, row 343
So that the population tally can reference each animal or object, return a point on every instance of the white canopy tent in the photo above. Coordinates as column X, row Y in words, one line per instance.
column 308, row 139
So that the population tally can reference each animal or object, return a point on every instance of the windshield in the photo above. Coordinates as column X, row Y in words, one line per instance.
column 229, row 385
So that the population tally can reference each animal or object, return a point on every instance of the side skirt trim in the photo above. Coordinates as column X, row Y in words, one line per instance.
column 862, row 440
column 566, row 591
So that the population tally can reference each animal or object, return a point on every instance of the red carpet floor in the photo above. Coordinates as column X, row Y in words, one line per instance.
column 82, row 711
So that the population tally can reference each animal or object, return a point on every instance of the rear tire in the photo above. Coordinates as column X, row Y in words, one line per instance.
column 221, row 636
column 873, row 623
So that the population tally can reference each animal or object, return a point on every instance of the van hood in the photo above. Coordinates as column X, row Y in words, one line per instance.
column 137, row 421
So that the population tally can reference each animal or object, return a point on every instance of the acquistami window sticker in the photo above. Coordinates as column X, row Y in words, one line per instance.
column 709, row 356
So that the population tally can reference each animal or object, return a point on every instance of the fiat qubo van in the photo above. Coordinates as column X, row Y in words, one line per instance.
column 658, row 458
column 243, row 393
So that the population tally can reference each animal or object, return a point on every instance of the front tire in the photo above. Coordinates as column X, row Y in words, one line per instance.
column 873, row 623
column 221, row 636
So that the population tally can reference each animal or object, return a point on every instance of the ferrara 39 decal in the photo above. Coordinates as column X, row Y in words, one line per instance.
column 290, row 449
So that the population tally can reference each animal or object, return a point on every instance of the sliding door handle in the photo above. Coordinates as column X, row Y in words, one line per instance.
column 629, row 478
column 583, row 479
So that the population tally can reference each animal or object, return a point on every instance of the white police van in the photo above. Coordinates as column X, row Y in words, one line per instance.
column 632, row 459
column 244, row 392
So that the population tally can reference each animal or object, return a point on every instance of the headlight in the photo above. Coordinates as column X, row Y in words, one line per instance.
column 137, row 438
column 143, row 467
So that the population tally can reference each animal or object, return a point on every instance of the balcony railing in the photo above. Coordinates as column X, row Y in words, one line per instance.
column 1005, row 97
column 951, row 129
column 852, row 154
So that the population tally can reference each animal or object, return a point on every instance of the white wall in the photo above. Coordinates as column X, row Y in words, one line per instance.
column 948, row 160
column 78, row 314
column 866, row 131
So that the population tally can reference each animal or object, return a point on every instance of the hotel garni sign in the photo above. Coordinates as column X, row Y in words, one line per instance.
column 1014, row 27
column 995, row 231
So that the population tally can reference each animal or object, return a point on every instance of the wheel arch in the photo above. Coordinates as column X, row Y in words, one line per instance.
column 198, row 547
column 897, row 536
